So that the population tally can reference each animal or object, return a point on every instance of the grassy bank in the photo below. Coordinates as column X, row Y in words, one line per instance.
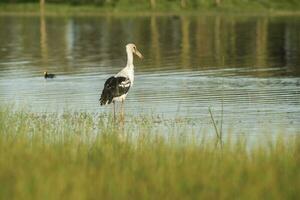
column 85, row 156
column 165, row 7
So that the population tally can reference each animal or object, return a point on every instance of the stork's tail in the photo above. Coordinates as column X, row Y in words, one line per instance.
column 105, row 98
column 102, row 100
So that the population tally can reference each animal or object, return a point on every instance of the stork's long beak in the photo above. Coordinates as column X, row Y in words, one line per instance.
column 138, row 54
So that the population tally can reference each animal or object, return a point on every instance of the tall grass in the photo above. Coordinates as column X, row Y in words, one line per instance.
column 86, row 156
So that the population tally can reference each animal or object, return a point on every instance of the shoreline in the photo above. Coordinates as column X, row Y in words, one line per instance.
column 81, row 10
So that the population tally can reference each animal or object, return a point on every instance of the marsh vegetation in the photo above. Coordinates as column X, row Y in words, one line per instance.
column 86, row 156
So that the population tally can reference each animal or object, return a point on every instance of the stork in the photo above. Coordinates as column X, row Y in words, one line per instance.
column 117, row 87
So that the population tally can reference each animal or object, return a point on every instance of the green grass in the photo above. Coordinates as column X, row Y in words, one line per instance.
column 163, row 7
column 86, row 156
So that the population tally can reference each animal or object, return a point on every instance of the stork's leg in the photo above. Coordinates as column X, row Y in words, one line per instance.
column 122, row 108
column 114, row 108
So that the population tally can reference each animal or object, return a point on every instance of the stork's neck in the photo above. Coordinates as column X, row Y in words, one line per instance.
column 129, row 59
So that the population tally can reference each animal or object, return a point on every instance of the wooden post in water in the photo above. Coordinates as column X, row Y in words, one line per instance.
column 152, row 4
column 42, row 7
column 261, row 49
column 183, row 3
column 217, row 40
column 43, row 32
column 203, row 40
column 185, row 42
column 155, row 40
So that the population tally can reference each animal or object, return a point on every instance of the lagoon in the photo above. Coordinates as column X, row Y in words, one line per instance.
column 246, row 66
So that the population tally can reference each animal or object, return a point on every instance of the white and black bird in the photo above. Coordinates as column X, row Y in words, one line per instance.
column 116, row 87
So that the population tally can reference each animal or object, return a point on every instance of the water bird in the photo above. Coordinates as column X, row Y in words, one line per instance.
column 116, row 87
column 46, row 75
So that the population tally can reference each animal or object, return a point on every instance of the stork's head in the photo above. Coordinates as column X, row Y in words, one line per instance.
column 132, row 48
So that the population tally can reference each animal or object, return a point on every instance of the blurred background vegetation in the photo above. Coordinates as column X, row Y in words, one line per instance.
column 171, row 5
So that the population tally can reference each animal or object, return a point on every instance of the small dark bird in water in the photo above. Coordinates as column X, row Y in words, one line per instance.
column 46, row 75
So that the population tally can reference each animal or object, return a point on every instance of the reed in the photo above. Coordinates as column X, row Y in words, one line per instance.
column 88, row 156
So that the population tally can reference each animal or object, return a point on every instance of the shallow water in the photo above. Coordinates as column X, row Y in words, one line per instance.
column 251, row 64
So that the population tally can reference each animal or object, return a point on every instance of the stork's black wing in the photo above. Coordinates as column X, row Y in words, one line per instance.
column 114, row 87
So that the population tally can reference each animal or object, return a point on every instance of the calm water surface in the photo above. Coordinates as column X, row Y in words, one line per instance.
column 251, row 64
